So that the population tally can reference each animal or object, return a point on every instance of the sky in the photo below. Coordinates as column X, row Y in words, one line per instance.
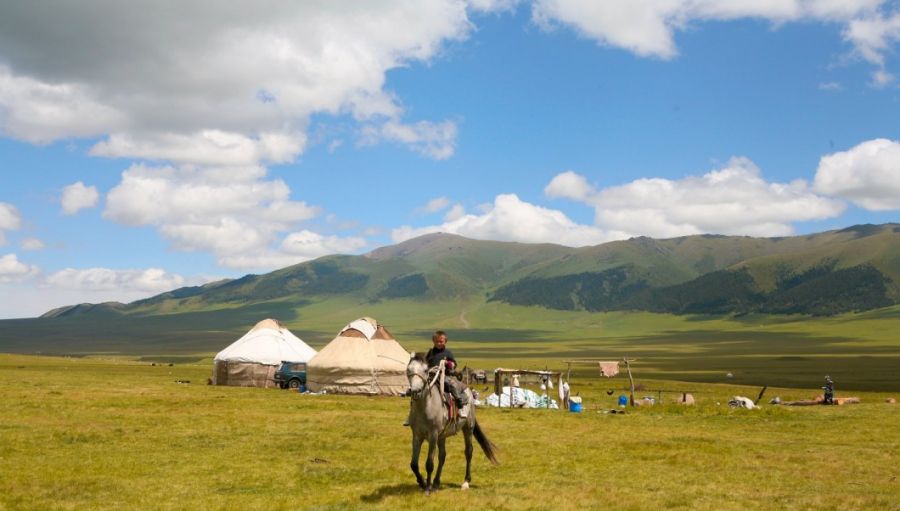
column 149, row 145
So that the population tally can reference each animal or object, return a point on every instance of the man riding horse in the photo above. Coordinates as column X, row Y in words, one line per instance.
column 456, row 388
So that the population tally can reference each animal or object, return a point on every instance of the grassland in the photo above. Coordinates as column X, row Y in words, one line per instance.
column 860, row 351
column 92, row 433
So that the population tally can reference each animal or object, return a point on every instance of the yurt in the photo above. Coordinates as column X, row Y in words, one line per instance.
column 364, row 358
column 252, row 360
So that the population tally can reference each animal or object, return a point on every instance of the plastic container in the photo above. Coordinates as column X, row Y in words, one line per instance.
column 574, row 407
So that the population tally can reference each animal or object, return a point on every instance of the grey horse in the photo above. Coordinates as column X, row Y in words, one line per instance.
column 429, row 422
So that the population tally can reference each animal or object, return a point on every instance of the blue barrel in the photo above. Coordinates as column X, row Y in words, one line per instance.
column 623, row 400
column 574, row 407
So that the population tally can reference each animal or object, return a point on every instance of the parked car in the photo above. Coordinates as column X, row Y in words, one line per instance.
column 291, row 375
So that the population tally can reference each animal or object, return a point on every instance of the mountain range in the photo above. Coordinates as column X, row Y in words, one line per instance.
column 852, row 269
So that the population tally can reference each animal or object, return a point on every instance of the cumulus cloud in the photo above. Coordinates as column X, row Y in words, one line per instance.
column 10, row 220
column 13, row 270
column 295, row 248
column 871, row 38
column 455, row 213
column 32, row 244
column 238, row 83
column 150, row 280
column 512, row 219
column 732, row 200
column 76, row 197
column 868, row 175
column 228, row 211
column 309, row 244
column 647, row 27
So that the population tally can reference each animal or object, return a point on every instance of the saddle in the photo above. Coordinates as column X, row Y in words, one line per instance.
column 450, row 406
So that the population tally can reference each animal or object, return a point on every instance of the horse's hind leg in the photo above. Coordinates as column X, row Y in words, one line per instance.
column 442, row 455
column 467, row 435
column 414, row 462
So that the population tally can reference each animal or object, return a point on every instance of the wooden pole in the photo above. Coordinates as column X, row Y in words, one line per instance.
column 630, row 379
column 761, row 392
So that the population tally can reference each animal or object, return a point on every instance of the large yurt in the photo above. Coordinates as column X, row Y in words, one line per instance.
column 364, row 358
column 252, row 360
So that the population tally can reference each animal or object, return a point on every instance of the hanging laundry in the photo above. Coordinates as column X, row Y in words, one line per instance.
column 609, row 369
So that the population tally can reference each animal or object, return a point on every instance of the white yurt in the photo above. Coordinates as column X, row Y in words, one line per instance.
column 252, row 360
column 364, row 358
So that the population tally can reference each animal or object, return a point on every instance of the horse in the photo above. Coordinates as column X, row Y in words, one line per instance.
column 429, row 421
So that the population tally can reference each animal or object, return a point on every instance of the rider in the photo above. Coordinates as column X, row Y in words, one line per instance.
column 440, row 352
column 456, row 388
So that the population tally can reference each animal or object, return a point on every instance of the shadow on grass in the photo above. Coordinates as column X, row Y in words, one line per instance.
column 393, row 490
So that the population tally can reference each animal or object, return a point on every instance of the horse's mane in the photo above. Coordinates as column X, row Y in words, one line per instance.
column 420, row 357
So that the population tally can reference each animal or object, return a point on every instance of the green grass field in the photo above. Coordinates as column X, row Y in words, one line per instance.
column 860, row 351
column 94, row 433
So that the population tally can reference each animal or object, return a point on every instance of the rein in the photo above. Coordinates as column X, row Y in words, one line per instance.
column 439, row 374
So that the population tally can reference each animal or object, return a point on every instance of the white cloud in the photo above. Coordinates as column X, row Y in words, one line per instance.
column 296, row 247
column 32, row 244
column 435, row 140
column 228, row 211
column 831, row 86
column 237, row 83
column 872, row 37
column 733, row 200
column 13, row 270
column 569, row 185
column 455, row 213
column 208, row 147
column 309, row 244
column 511, row 219
column 647, row 27
column 150, row 280
column 10, row 220
column 436, row 204
column 76, row 197
column 868, row 175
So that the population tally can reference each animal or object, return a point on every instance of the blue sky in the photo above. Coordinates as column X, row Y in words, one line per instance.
column 142, row 153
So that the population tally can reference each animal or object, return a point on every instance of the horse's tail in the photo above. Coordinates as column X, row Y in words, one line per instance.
column 490, row 450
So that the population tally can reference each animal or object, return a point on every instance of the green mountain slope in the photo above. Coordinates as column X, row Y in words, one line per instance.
column 851, row 269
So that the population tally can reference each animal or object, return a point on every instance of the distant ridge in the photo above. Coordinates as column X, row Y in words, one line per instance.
column 851, row 269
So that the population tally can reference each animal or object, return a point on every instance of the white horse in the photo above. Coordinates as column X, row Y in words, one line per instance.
column 429, row 422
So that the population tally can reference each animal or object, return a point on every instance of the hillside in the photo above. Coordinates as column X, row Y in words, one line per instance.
column 853, row 269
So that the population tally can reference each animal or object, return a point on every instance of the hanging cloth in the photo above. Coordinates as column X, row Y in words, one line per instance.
column 609, row 369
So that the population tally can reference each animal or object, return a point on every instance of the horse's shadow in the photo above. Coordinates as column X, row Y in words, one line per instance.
column 399, row 489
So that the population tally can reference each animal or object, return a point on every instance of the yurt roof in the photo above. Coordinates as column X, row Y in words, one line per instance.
column 367, row 328
column 267, row 343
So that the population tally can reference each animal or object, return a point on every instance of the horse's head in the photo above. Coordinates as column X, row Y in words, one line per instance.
column 417, row 373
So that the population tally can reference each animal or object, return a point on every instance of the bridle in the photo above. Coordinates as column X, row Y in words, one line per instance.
column 438, row 372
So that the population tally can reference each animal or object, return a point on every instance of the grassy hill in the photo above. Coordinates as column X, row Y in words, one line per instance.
column 769, row 310
column 853, row 269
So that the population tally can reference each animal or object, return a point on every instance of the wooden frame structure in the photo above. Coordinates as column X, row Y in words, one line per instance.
column 596, row 362
column 500, row 372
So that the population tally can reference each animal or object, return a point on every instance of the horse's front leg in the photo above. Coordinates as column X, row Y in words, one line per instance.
column 429, row 464
column 442, row 455
column 467, row 435
column 414, row 462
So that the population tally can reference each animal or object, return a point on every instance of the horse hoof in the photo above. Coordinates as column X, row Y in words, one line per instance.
column 465, row 486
